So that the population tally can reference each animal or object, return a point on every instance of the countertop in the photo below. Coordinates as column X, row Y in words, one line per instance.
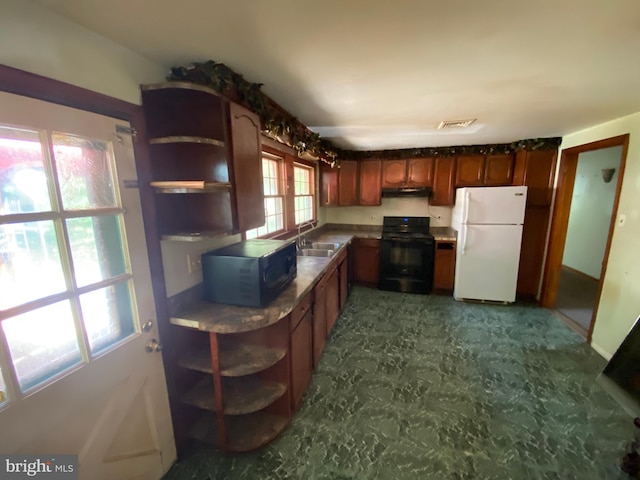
column 221, row 318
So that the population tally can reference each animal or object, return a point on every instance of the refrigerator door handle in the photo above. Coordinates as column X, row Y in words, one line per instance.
column 464, row 240
column 465, row 213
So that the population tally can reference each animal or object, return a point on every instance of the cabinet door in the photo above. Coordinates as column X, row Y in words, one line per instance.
column 333, row 300
column 247, row 167
column 420, row 172
column 394, row 173
column 443, row 189
column 348, row 183
column 444, row 265
column 534, row 236
column 367, row 261
column 329, row 185
column 536, row 170
column 343, row 270
column 319, row 320
column 301, row 359
column 470, row 171
column 498, row 170
column 370, row 178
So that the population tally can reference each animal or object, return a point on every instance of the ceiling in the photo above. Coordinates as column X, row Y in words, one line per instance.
column 374, row 75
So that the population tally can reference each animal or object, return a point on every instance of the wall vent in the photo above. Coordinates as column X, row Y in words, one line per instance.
column 455, row 123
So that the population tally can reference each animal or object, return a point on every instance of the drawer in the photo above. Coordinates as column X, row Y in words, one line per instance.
column 369, row 242
column 299, row 310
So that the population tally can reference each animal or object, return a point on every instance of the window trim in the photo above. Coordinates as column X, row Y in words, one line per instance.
column 288, row 161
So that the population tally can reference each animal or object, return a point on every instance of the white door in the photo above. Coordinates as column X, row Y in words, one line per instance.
column 487, row 262
column 75, row 294
column 494, row 205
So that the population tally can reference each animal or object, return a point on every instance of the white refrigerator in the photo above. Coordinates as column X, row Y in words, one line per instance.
column 489, row 223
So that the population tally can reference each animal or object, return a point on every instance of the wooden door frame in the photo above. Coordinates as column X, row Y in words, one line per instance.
column 560, row 219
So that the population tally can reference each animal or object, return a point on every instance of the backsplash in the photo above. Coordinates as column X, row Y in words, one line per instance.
column 415, row 207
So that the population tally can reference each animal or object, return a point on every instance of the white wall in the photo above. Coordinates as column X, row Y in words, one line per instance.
column 591, row 207
column 417, row 207
column 620, row 300
column 35, row 40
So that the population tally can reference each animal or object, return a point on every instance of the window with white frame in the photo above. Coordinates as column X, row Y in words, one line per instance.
column 303, row 193
column 66, row 292
column 272, row 180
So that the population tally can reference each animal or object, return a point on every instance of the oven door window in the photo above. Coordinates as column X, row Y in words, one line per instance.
column 404, row 258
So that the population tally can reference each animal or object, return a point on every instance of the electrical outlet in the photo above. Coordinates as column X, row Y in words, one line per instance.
column 194, row 263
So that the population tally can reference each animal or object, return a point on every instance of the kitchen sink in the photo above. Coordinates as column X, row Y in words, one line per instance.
column 325, row 246
column 315, row 252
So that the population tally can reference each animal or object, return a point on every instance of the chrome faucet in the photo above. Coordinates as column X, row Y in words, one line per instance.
column 301, row 242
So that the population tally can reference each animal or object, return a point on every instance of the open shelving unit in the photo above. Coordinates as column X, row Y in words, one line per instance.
column 241, row 387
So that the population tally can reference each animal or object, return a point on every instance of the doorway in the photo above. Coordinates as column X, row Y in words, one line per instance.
column 584, row 213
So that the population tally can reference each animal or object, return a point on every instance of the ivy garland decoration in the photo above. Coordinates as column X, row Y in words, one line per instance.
column 281, row 125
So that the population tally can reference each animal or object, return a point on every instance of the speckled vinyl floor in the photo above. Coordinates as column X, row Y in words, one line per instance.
column 423, row 387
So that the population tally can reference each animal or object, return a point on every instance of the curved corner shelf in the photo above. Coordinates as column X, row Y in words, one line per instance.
column 178, row 186
column 179, row 86
column 244, row 432
column 242, row 395
column 185, row 139
column 236, row 359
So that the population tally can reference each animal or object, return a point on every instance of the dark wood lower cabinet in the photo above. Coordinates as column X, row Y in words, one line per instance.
column 333, row 300
column 343, row 272
column 319, row 320
column 301, row 358
column 366, row 262
column 444, row 265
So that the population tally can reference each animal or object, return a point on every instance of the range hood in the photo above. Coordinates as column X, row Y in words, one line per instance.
column 407, row 192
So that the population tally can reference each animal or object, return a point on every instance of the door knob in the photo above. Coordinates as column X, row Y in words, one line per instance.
column 148, row 325
column 153, row 346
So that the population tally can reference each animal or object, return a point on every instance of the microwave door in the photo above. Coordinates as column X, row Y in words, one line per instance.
column 279, row 274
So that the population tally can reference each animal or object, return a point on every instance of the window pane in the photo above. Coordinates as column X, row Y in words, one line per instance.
column 108, row 315
column 42, row 343
column 270, row 206
column 84, row 172
column 96, row 247
column 30, row 266
column 23, row 183
column 3, row 389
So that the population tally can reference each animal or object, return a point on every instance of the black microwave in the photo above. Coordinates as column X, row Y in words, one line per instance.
column 250, row 273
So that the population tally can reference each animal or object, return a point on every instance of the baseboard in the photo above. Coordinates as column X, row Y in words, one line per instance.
column 601, row 351
column 578, row 272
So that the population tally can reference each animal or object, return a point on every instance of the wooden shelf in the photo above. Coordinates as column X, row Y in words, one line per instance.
column 236, row 359
column 178, row 85
column 180, row 186
column 186, row 139
column 195, row 236
column 242, row 395
column 244, row 432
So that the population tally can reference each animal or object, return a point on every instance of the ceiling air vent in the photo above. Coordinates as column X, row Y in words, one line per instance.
column 455, row 123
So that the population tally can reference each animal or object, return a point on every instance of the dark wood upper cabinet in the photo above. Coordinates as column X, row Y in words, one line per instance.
column 443, row 182
column 419, row 172
column 247, row 167
column 536, row 170
column 470, row 171
column 394, row 173
column 498, row 170
column 370, row 178
column 328, row 185
column 348, row 183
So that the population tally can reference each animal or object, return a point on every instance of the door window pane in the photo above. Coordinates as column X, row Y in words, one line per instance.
column 30, row 266
column 42, row 343
column 96, row 248
column 3, row 389
column 84, row 172
column 23, row 182
column 108, row 315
